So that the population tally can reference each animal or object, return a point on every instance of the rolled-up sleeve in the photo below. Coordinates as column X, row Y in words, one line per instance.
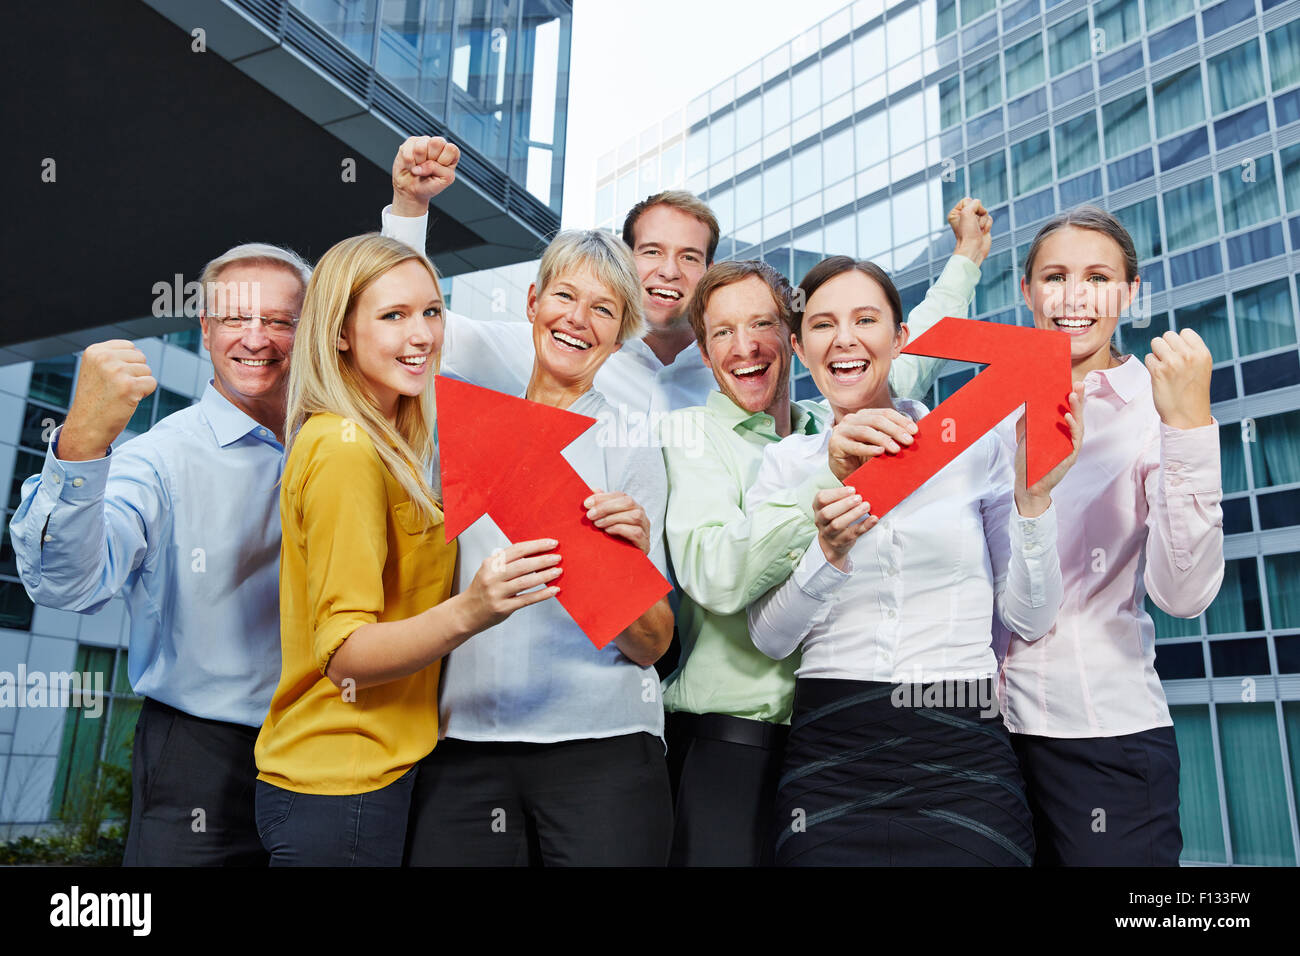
column 343, row 502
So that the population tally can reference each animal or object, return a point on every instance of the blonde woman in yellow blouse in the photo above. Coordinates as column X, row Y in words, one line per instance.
column 365, row 569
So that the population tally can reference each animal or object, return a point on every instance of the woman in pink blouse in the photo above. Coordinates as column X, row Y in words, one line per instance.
column 1139, row 514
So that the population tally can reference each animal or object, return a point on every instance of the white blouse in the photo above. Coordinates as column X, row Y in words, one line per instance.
column 917, row 602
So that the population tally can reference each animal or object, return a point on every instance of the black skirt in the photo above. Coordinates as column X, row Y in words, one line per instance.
column 880, row 774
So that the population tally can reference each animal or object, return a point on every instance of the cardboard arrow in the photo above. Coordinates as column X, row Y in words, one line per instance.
column 501, row 457
column 1029, row 367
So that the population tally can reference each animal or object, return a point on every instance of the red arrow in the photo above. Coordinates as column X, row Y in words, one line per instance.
column 1025, row 366
column 501, row 456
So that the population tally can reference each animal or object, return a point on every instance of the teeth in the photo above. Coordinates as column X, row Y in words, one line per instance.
column 749, row 370
column 844, row 366
column 1075, row 323
column 256, row 363
column 415, row 360
column 570, row 340
column 666, row 293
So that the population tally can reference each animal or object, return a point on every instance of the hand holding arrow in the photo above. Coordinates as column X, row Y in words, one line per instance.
column 501, row 456
column 1025, row 366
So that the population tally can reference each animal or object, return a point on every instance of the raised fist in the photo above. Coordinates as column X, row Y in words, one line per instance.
column 1180, row 364
column 114, row 378
column 423, row 167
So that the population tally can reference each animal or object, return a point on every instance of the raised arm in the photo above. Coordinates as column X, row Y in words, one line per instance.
column 910, row 375
column 493, row 354
column 88, row 520
column 1184, row 549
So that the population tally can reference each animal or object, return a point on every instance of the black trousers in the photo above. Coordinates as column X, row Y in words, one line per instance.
column 1103, row 801
column 192, row 792
column 593, row 802
column 724, row 772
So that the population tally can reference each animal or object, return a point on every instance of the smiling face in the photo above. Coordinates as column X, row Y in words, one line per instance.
column 576, row 320
column 747, row 347
column 250, row 366
column 1078, row 286
column 394, row 333
column 669, row 247
column 849, row 341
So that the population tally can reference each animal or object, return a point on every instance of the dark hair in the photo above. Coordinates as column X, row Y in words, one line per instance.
column 829, row 269
column 1087, row 217
column 678, row 199
column 724, row 274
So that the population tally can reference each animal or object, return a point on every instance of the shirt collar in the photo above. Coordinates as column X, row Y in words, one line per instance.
column 228, row 423
column 687, row 359
column 1125, row 379
column 720, row 406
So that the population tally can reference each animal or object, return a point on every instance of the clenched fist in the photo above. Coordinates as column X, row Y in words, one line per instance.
column 423, row 167
column 114, row 378
column 972, row 224
column 1180, row 364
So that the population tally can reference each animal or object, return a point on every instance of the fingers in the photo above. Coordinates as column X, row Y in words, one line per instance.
column 848, row 521
column 524, row 549
column 833, row 503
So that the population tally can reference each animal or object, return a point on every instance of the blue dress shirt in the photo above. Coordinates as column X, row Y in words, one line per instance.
column 184, row 521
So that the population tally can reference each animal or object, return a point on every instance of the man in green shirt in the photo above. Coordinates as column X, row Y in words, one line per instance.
column 728, row 704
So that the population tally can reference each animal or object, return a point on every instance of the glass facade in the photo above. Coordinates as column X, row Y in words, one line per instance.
column 1182, row 118
column 495, row 71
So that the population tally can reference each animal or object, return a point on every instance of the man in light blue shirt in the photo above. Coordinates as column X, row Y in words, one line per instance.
column 184, row 522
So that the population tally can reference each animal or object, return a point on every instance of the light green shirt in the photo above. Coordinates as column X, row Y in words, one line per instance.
column 723, row 559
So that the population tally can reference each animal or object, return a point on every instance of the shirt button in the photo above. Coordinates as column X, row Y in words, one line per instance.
column 891, row 614
column 262, row 432
column 78, row 482
column 49, row 537
column 794, row 555
column 57, row 479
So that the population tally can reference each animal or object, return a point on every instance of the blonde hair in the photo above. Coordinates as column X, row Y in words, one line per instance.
column 323, row 379
column 611, row 262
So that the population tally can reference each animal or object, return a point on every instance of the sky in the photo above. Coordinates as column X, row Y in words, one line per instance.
column 632, row 63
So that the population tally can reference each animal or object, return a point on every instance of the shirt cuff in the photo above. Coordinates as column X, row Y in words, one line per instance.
column 817, row 577
column 407, row 229
column 74, row 481
column 1033, row 536
column 1189, row 458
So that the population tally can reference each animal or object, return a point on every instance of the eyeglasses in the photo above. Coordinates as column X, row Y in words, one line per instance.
column 274, row 325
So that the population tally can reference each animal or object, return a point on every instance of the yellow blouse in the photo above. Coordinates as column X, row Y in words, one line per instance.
column 354, row 551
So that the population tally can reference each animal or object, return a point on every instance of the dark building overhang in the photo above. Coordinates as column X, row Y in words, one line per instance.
column 163, row 157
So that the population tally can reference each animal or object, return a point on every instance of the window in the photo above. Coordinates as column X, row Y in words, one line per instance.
column 837, row 74
column 1183, row 149
column 1284, row 55
column 1209, row 319
column 722, row 138
column 52, row 380
column 911, row 214
column 998, row 288
column 837, row 156
column 1118, row 22
column 1197, row 264
column 946, row 18
column 776, row 186
column 1068, row 43
column 776, row 107
column 1143, row 223
column 749, row 122
column 972, row 10
column 807, row 171
column 749, row 200
column 1179, row 102
column 1189, row 214
column 1249, row 193
column 1024, row 66
column 1232, row 458
column 1170, row 41
column 1125, row 122
column 1254, row 785
column 1282, row 572
column 950, row 102
column 1160, row 12
column 869, row 54
column 1076, row 144
column 983, row 87
column 805, row 90
column 1275, row 451
column 1031, row 164
column 1200, row 815
column 988, row 179
column 1081, row 189
column 1235, row 77
column 1237, row 607
column 697, row 160
column 1291, row 176
column 906, row 124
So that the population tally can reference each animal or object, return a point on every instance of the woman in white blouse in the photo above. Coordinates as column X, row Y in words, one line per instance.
column 1140, row 514
column 552, row 750
column 896, row 754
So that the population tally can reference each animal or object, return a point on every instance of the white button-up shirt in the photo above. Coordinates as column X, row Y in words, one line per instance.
column 1140, row 513
column 918, row 601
